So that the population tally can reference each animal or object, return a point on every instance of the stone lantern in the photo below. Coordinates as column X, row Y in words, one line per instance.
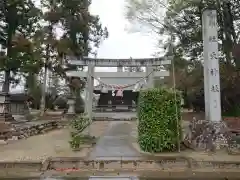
column 5, row 117
column 5, row 114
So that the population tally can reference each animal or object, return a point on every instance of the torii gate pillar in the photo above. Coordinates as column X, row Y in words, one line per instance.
column 89, row 92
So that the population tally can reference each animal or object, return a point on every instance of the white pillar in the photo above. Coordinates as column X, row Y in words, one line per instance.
column 90, row 88
column 86, row 99
column 211, row 66
column 150, row 79
column 205, row 57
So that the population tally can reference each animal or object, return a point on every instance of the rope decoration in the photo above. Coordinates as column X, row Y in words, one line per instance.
column 120, row 87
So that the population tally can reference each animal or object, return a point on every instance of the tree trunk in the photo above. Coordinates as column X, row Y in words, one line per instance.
column 6, row 83
column 44, row 84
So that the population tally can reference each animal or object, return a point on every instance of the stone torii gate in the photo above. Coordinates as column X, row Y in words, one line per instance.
column 120, row 76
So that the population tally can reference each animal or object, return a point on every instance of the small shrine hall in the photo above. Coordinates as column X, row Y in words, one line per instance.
column 118, row 89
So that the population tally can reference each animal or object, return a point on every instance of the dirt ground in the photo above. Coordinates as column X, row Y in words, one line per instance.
column 55, row 144
column 188, row 115
column 52, row 144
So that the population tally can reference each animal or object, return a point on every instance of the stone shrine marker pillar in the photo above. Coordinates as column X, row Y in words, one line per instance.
column 211, row 133
column 211, row 66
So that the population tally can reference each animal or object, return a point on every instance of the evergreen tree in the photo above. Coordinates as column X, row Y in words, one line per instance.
column 19, row 20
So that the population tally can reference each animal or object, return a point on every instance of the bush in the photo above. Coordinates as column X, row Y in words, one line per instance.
column 61, row 102
column 78, row 139
column 157, row 127
column 77, row 127
column 79, row 123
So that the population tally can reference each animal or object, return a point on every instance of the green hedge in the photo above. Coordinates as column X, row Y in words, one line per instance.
column 157, row 127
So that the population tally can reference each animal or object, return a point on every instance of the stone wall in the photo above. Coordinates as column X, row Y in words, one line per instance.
column 25, row 130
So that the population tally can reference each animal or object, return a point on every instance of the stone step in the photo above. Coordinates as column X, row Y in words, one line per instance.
column 112, row 178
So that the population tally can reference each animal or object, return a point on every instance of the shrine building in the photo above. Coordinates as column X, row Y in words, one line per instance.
column 109, row 84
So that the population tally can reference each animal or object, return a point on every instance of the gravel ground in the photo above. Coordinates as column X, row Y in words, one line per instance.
column 52, row 144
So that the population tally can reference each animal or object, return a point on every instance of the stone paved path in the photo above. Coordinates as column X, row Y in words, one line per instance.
column 115, row 115
column 116, row 143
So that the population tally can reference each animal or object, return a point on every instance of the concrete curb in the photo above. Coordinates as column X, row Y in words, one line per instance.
column 79, row 166
column 193, row 163
column 152, row 174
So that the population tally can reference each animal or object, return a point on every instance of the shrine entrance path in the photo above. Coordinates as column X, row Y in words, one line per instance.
column 116, row 143
column 115, row 115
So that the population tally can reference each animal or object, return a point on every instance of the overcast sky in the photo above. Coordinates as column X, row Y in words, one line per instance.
column 120, row 43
